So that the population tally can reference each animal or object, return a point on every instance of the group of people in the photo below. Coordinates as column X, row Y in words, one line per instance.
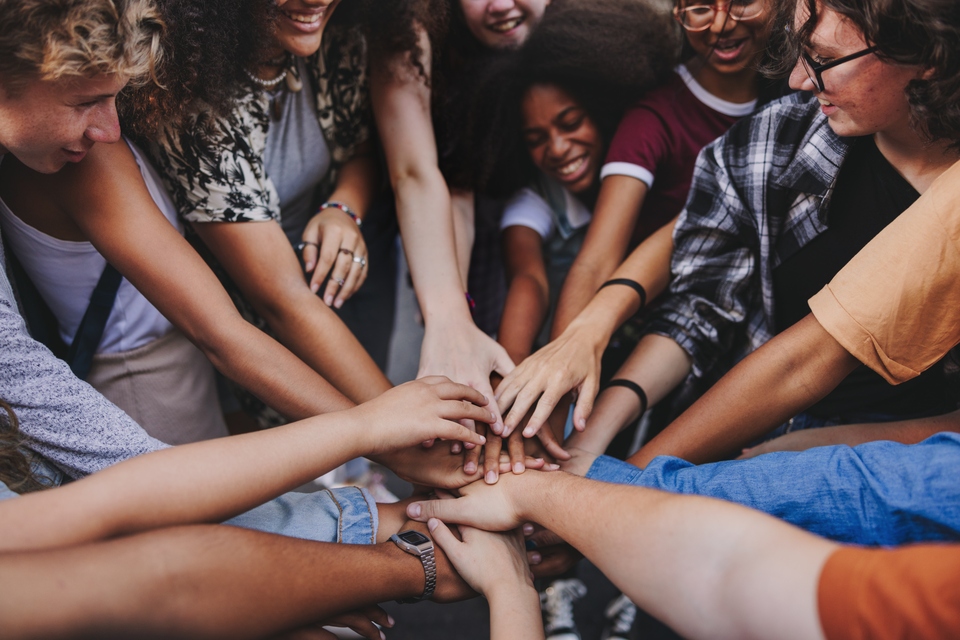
column 738, row 221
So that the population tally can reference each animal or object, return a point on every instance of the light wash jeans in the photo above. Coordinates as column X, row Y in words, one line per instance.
column 878, row 493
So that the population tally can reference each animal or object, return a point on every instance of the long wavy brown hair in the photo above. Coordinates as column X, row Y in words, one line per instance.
column 16, row 470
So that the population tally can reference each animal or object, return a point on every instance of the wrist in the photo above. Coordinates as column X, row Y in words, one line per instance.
column 408, row 575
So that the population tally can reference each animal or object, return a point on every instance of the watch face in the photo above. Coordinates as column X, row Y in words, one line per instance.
column 413, row 537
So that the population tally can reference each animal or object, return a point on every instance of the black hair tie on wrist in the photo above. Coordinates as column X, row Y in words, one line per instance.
column 633, row 386
column 633, row 284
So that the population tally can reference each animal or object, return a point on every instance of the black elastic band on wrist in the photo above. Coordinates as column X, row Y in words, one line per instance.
column 633, row 386
column 633, row 284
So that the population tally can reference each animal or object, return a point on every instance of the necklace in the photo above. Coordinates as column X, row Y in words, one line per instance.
column 267, row 84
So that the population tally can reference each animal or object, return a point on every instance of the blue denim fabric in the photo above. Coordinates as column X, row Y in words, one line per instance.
column 347, row 515
column 5, row 493
column 879, row 493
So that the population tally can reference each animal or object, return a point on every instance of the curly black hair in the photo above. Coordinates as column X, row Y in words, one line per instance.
column 605, row 53
column 392, row 29
column 922, row 33
column 207, row 45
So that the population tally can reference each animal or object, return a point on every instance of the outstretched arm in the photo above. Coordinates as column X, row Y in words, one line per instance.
column 234, row 474
column 572, row 360
column 780, row 379
column 105, row 196
column 453, row 346
column 705, row 567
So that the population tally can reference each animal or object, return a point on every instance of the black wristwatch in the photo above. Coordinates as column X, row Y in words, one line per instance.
column 417, row 544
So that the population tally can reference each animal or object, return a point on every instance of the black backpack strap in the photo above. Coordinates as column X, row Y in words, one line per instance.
column 41, row 323
column 90, row 332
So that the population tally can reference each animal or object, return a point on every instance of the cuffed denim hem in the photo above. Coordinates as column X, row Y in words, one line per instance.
column 607, row 469
column 348, row 515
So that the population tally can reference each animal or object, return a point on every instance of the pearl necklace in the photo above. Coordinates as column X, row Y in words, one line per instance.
column 267, row 84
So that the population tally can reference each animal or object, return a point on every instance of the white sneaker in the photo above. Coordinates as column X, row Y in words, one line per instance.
column 620, row 615
column 556, row 604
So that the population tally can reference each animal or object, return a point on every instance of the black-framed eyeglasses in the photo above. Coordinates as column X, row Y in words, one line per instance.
column 815, row 71
column 700, row 16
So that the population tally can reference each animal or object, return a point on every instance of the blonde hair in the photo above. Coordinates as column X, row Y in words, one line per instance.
column 53, row 39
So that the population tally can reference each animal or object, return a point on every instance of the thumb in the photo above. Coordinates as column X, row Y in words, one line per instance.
column 503, row 364
column 448, row 510
column 443, row 536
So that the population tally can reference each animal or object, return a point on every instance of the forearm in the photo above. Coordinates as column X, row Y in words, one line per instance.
column 202, row 581
column 426, row 229
column 312, row 331
column 260, row 364
column 705, row 567
column 851, row 435
column 782, row 378
column 658, row 365
column 579, row 288
column 515, row 612
column 523, row 315
column 147, row 492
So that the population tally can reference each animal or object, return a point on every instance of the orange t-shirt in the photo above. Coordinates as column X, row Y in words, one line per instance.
column 896, row 304
column 910, row 592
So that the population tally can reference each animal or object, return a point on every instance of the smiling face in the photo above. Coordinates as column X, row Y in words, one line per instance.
column 502, row 24
column 301, row 23
column 53, row 122
column 730, row 46
column 562, row 139
column 863, row 96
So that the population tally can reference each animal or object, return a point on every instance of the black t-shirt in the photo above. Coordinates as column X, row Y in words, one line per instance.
column 869, row 195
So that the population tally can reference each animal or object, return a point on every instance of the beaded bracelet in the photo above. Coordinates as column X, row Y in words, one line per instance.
column 636, row 286
column 342, row 207
column 633, row 386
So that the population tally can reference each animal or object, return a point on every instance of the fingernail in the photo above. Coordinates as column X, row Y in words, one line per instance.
column 308, row 267
column 338, row 304
column 528, row 432
column 432, row 523
column 538, row 460
column 530, row 545
column 553, row 467
column 483, row 440
column 314, row 288
column 455, row 448
column 528, row 529
column 383, row 636
column 390, row 620
column 414, row 510
column 328, row 300
column 583, row 423
column 534, row 558
column 493, row 419
column 518, row 467
column 470, row 468
column 491, row 477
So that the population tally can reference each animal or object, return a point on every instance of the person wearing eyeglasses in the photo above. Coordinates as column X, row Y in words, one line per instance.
column 645, row 180
column 784, row 200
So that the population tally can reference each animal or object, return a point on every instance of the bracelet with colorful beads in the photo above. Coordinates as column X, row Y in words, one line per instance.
column 342, row 207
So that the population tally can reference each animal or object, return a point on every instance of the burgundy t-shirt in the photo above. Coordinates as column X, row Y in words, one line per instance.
column 658, row 140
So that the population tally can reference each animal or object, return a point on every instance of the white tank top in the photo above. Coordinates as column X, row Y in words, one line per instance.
column 66, row 273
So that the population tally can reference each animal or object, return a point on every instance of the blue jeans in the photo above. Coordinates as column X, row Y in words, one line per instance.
column 347, row 515
column 879, row 493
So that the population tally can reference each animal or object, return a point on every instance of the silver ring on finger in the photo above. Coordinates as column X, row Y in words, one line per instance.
column 360, row 260
column 339, row 281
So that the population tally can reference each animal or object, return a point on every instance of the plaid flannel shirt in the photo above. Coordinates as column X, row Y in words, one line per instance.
column 759, row 193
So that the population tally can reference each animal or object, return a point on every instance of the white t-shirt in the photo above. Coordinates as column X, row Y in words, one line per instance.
column 66, row 273
column 528, row 209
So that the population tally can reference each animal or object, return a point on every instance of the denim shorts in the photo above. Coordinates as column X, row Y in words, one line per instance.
column 347, row 515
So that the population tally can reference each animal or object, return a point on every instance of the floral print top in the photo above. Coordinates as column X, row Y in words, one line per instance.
column 213, row 167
